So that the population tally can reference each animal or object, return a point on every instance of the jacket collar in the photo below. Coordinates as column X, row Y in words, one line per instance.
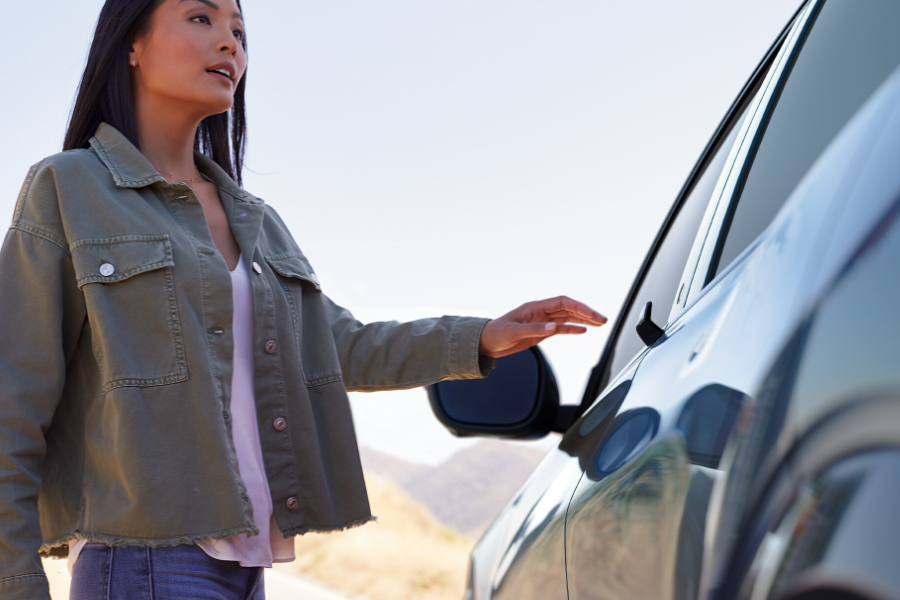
column 131, row 169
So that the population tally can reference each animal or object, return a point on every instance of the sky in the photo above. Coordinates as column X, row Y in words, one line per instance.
column 439, row 157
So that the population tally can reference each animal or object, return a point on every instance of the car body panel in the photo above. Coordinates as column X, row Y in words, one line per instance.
column 521, row 555
column 839, row 355
column 764, row 353
column 847, row 533
column 525, row 541
column 726, row 338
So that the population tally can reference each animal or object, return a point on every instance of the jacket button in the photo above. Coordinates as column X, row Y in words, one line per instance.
column 107, row 269
column 279, row 424
column 270, row 346
column 257, row 268
column 292, row 503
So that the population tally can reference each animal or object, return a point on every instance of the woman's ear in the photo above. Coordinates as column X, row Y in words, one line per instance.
column 133, row 55
column 136, row 49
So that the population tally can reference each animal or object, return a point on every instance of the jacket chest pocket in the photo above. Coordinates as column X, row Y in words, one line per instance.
column 129, row 291
column 312, row 329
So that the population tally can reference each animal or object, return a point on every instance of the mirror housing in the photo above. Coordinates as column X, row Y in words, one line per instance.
column 519, row 399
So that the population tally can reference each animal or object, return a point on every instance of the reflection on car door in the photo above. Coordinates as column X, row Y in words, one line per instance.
column 635, row 525
column 636, row 520
column 526, row 561
column 598, row 550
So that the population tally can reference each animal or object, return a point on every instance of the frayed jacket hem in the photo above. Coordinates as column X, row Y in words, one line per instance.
column 341, row 527
column 58, row 548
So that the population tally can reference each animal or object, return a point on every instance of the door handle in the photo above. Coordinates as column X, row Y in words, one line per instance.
column 646, row 328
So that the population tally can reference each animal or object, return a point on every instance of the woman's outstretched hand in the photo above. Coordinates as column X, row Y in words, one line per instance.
column 536, row 321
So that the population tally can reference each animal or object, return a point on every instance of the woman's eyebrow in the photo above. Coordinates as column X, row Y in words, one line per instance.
column 214, row 6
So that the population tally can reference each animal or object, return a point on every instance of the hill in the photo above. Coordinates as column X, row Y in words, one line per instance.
column 466, row 491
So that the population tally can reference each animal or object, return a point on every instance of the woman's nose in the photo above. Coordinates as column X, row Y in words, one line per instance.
column 229, row 46
column 229, row 43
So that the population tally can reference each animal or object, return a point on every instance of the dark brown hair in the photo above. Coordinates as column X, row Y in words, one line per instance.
column 104, row 93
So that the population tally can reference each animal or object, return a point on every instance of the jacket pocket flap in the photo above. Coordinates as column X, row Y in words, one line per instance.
column 106, row 260
column 294, row 265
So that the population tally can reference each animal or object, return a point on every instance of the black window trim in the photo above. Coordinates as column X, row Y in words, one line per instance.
column 705, row 276
column 600, row 374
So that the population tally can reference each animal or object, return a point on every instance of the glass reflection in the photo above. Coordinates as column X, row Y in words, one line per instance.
column 635, row 526
column 633, row 432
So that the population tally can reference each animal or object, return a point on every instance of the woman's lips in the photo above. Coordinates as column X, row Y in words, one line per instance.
column 220, row 77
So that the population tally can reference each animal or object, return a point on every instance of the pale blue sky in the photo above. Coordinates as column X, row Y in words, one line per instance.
column 440, row 157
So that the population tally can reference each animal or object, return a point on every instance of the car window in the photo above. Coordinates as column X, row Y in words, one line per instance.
column 664, row 274
column 852, row 47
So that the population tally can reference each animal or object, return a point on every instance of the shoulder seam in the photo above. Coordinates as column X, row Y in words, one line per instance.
column 26, row 186
column 26, row 227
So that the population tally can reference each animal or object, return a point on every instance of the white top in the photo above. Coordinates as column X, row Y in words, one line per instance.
column 269, row 546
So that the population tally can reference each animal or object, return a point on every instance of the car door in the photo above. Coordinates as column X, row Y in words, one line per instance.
column 521, row 556
column 596, row 549
column 674, row 253
column 636, row 523
column 850, row 76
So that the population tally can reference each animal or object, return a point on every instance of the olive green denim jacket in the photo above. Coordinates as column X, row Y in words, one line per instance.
column 116, row 363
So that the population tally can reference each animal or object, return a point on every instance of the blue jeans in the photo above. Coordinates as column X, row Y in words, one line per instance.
column 182, row 572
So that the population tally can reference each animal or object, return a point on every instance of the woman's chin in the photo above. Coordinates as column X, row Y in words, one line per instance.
column 217, row 108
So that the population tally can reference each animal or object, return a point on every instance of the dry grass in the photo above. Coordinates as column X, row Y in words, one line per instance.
column 405, row 554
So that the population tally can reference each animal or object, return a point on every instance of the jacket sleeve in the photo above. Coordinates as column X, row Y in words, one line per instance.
column 41, row 317
column 390, row 355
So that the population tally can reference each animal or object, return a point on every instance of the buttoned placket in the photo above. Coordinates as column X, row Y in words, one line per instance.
column 245, row 219
column 217, row 311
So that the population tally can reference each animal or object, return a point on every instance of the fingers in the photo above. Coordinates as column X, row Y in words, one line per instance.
column 534, row 334
column 570, row 329
column 535, row 321
column 563, row 306
column 545, row 330
column 572, row 320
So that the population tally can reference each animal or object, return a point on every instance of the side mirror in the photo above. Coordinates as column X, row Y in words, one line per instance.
column 519, row 399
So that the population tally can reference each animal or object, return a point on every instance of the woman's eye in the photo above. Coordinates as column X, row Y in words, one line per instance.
column 238, row 32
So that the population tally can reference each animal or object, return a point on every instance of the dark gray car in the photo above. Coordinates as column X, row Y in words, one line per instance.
column 740, row 435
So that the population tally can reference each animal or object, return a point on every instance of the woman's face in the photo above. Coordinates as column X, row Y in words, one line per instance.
column 187, row 39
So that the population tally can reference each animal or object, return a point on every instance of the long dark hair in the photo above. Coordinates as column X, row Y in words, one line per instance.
column 104, row 93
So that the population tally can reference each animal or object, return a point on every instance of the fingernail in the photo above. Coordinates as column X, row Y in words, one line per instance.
column 550, row 326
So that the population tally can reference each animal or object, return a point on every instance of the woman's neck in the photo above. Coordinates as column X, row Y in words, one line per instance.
column 167, row 138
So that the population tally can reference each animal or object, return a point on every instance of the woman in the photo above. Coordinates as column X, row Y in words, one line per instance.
column 173, row 385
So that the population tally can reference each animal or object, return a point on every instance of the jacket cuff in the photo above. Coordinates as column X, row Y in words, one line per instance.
column 33, row 586
column 465, row 360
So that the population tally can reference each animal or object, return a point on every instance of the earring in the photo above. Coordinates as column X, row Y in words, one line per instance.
column 133, row 63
